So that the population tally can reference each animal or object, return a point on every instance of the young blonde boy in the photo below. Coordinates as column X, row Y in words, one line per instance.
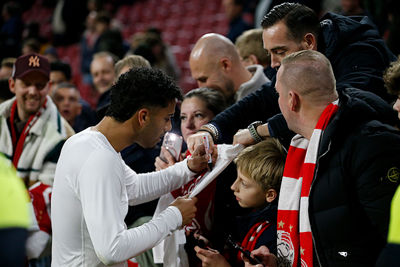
column 259, row 175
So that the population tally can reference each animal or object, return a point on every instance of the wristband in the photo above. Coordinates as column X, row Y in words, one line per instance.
column 253, row 130
column 211, row 129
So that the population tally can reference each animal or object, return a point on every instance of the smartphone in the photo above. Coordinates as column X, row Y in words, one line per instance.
column 253, row 259
column 173, row 143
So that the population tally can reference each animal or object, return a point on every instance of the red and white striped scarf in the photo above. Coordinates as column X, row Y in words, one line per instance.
column 294, row 231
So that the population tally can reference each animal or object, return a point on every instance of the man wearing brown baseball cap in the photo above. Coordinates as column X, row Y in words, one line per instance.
column 31, row 63
column 31, row 129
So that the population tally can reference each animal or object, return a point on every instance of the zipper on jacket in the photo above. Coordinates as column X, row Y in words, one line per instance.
column 315, row 175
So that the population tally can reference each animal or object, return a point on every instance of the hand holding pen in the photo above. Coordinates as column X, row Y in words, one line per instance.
column 206, row 143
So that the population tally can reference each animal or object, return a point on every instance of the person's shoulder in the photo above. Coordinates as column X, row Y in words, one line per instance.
column 81, row 137
column 91, row 149
column 86, row 141
column 5, row 107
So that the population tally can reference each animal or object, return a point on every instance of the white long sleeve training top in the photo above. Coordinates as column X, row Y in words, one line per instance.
column 92, row 189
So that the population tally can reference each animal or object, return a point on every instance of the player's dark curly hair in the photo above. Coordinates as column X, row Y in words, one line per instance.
column 138, row 88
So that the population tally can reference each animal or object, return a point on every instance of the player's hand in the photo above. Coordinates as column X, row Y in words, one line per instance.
column 197, row 139
column 268, row 259
column 198, row 161
column 210, row 257
column 187, row 207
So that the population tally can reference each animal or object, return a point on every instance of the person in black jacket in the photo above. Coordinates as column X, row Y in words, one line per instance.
column 390, row 255
column 356, row 51
column 357, row 159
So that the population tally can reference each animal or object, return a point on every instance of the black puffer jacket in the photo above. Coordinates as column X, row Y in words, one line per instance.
column 357, row 173
column 358, row 56
column 356, row 51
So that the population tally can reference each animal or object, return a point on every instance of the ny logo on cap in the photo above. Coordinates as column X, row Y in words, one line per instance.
column 34, row 61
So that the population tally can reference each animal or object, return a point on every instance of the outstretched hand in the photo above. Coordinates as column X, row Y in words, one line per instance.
column 243, row 137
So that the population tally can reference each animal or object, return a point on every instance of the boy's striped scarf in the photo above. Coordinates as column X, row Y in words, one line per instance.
column 294, row 231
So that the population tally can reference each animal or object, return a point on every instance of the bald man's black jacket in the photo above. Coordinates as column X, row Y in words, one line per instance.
column 356, row 175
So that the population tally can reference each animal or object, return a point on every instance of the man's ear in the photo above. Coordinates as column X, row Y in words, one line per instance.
column 11, row 85
column 226, row 64
column 271, row 195
column 143, row 116
column 310, row 42
column 293, row 101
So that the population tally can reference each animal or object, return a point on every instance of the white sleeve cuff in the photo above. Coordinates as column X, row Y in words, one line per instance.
column 174, row 211
column 187, row 170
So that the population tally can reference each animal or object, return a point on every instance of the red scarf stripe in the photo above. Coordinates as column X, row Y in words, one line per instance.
column 327, row 114
column 305, row 188
column 293, row 170
column 250, row 240
column 306, row 250
column 18, row 145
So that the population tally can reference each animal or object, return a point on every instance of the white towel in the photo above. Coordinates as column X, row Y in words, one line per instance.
column 171, row 251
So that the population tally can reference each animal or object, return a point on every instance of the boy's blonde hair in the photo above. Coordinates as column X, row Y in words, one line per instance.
column 132, row 61
column 249, row 43
column 264, row 163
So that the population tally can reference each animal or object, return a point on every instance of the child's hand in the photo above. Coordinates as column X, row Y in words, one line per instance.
column 200, row 241
column 268, row 259
column 210, row 257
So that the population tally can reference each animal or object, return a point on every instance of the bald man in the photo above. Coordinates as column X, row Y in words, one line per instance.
column 352, row 161
column 215, row 63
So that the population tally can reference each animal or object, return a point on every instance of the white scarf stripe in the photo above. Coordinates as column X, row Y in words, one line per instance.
column 312, row 150
column 299, row 141
column 304, row 219
column 290, row 194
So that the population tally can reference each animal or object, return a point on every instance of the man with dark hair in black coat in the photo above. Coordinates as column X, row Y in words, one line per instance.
column 356, row 51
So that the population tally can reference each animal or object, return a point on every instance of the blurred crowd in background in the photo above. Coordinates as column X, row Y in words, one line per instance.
column 161, row 31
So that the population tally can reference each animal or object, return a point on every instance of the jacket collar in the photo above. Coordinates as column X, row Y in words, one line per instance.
column 50, row 113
